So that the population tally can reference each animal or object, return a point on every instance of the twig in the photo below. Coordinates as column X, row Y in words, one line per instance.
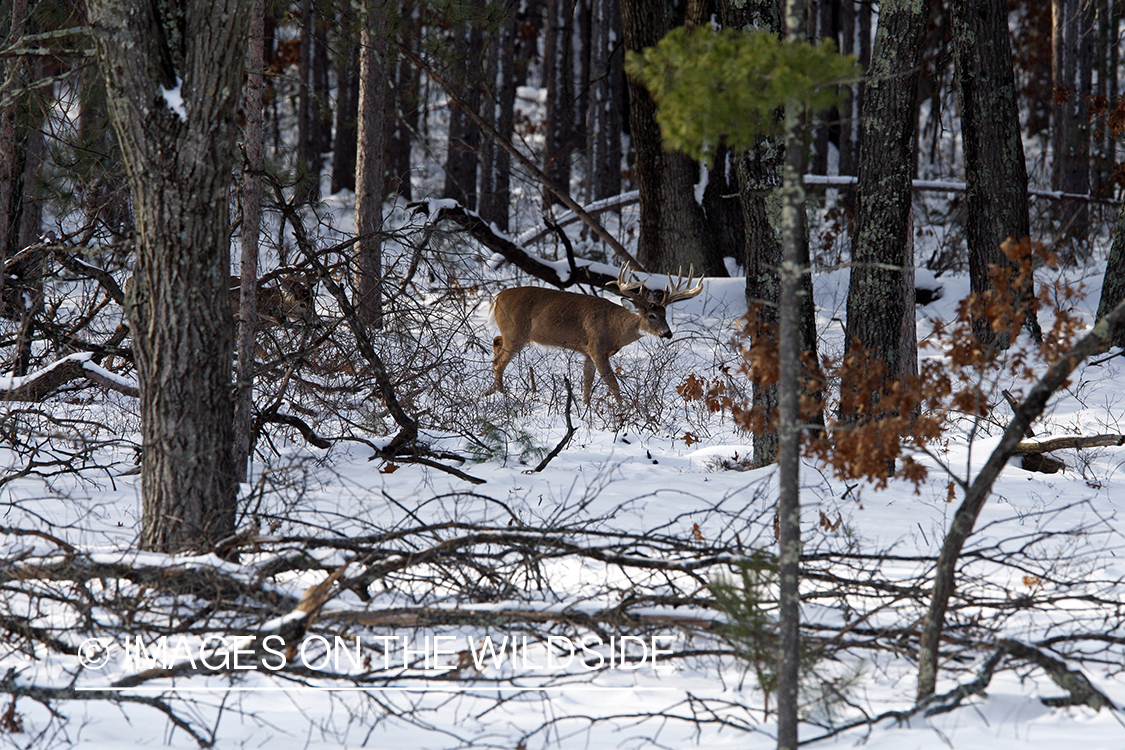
column 570, row 430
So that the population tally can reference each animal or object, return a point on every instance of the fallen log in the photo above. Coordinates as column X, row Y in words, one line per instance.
column 37, row 385
column 1033, row 450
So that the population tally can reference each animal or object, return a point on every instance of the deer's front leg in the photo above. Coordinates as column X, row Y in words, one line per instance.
column 606, row 371
column 587, row 380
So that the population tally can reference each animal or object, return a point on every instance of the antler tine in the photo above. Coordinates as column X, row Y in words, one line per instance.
column 676, row 291
column 627, row 283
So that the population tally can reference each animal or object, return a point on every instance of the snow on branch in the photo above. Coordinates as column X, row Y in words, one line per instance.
column 43, row 382
column 488, row 236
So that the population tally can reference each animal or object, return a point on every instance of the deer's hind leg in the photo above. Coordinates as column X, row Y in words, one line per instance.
column 501, row 355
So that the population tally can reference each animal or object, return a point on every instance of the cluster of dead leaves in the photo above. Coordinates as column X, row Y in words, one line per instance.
column 878, row 424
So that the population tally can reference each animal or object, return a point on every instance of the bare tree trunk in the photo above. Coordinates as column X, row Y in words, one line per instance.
column 880, row 309
column 759, row 174
column 856, row 40
column 1071, row 50
column 1033, row 41
column 825, row 22
column 580, row 52
column 495, row 175
column 406, row 97
column 179, row 152
column 995, row 171
column 314, row 120
column 720, row 200
column 251, row 227
column 307, row 156
column 559, row 82
column 373, row 71
column 9, row 164
column 347, row 103
column 321, row 134
column 31, row 208
column 464, row 134
column 607, row 91
column 1113, row 284
column 673, row 228
column 793, row 267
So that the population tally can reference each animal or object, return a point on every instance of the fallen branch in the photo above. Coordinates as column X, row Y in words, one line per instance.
column 1097, row 340
column 482, row 232
column 43, row 382
column 1080, row 692
column 1069, row 441
column 428, row 617
column 289, row 420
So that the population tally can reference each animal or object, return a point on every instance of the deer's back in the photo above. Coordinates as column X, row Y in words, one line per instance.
column 553, row 317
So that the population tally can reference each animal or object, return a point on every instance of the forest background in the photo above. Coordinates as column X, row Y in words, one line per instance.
column 306, row 208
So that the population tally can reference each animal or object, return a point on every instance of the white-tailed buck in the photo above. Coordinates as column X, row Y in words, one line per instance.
column 591, row 326
column 291, row 301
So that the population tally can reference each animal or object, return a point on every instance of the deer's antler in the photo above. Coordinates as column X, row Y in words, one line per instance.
column 679, row 290
column 628, row 284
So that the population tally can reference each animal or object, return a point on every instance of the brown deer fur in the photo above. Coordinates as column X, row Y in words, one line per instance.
column 594, row 327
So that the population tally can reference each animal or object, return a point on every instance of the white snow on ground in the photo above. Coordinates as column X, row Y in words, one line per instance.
column 633, row 480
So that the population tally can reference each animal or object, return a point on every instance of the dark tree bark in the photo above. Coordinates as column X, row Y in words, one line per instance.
column 935, row 85
column 1107, row 63
column 1071, row 53
column 179, row 161
column 495, row 175
column 31, row 208
column 21, row 125
column 373, row 71
column 673, row 228
column 254, row 115
column 321, row 134
column 9, row 162
column 1113, row 284
column 855, row 21
column 347, row 103
column 313, row 118
column 880, row 294
column 1031, row 40
column 105, row 197
column 605, row 114
column 826, row 22
column 580, row 44
column 464, row 134
column 722, row 206
column 558, row 72
column 995, row 171
column 759, row 175
column 405, row 101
